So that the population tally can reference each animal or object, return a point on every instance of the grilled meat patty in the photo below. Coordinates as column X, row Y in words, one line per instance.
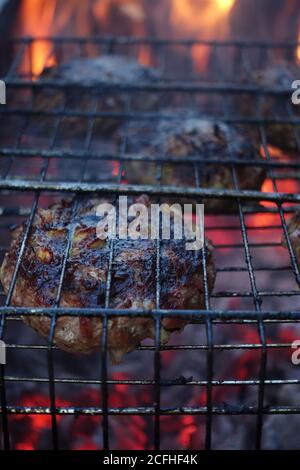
column 94, row 73
column 133, row 282
column 197, row 138
column 278, row 76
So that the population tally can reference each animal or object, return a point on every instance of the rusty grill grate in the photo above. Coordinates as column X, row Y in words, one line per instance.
column 31, row 174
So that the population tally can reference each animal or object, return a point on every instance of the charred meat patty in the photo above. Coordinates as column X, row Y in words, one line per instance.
column 84, row 80
column 197, row 138
column 280, row 75
column 133, row 282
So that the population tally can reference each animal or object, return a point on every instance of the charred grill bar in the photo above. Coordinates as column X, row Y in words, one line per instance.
column 38, row 185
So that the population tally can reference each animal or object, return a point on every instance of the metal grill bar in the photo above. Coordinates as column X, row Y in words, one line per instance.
column 160, row 87
column 164, row 383
column 184, row 410
column 199, row 316
column 91, row 155
column 142, row 189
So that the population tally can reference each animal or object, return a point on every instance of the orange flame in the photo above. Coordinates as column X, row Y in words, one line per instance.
column 285, row 185
column 298, row 48
column 144, row 55
column 208, row 21
column 274, row 152
column 36, row 20
column 40, row 18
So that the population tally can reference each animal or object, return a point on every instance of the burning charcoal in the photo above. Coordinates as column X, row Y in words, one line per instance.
column 203, row 139
column 133, row 284
column 83, row 90
column 278, row 76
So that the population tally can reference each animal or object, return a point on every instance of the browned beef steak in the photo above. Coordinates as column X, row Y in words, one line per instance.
column 205, row 139
column 84, row 79
column 133, row 279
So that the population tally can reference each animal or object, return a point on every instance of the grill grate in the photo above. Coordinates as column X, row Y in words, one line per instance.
column 27, row 176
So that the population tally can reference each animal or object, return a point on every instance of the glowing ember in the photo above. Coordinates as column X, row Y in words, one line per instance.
column 145, row 56
column 268, row 187
column 284, row 184
column 29, row 430
column 274, row 152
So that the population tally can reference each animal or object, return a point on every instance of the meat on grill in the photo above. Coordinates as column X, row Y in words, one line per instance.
column 133, row 281
column 198, row 138
column 278, row 76
column 83, row 82
column 294, row 233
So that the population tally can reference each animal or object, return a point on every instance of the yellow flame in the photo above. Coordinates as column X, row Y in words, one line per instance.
column 190, row 19
column 40, row 18
column 225, row 5
column 205, row 19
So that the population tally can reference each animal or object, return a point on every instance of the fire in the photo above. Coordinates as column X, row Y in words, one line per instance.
column 144, row 55
column 274, row 152
column 46, row 18
column 36, row 20
column 284, row 185
column 210, row 20
column 42, row 18
column 28, row 431
column 225, row 5
column 132, row 9
column 204, row 19
column 298, row 48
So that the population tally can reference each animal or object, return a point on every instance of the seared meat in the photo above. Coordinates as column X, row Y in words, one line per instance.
column 93, row 73
column 294, row 233
column 278, row 76
column 205, row 139
column 133, row 279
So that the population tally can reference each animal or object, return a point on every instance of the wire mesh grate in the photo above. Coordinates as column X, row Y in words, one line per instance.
column 40, row 167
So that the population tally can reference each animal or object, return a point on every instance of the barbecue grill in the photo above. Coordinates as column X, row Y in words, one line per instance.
column 32, row 172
